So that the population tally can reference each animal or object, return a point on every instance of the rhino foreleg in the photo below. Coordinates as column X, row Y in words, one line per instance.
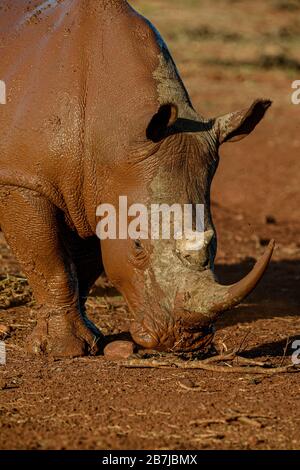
column 86, row 255
column 33, row 229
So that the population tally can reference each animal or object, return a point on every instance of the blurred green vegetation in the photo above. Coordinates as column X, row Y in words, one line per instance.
column 238, row 34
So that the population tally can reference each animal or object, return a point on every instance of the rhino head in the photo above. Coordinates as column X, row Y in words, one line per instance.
column 169, row 284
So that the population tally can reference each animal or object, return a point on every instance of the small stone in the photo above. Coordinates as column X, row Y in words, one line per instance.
column 255, row 381
column 119, row 350
column 264, row 241
column 4, row 331
column 270, row 219
column 188, row 383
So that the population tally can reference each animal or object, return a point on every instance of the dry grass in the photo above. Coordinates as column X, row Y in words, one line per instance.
column 14, row 291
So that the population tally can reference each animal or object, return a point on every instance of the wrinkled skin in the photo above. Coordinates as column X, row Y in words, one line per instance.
column 96, row 109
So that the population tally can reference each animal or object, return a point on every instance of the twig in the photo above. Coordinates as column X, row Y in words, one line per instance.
column 248, row 419
column 231, row 356
column 251, row 362
column 137, row 363
column 243, row 342
column 285, row 350
column 220, row 357
column 195, row 388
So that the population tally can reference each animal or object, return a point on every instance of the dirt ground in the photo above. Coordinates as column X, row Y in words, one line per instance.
column 229, row 53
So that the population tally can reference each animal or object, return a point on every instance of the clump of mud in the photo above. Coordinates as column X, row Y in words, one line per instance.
column 14, row 291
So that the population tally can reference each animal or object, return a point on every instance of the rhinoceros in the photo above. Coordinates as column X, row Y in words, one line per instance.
column 95, row 109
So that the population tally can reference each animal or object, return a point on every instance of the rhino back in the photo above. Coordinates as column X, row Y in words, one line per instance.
column 83, row 80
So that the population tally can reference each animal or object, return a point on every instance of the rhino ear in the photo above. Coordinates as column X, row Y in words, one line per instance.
column 160, row 123
column 235, row 126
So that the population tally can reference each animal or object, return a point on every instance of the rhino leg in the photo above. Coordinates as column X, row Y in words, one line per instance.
column 34, row 230
column 86, row 255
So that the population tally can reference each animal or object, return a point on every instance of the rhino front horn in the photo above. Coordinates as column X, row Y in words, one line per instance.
column 234, row 294
column 204, row 302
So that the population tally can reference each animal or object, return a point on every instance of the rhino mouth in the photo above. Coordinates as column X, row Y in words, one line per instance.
column 197, row 306
column 194, row 339
column 178, row 339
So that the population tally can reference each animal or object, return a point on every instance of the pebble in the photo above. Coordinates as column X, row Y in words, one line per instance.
column 119, row 350
column 188, row 383
column 270, row 219
column 4, row 330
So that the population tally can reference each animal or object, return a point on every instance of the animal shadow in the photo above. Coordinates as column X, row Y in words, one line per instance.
column 277, row 294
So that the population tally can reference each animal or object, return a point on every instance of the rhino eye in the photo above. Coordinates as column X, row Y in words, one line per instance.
column 139, row 256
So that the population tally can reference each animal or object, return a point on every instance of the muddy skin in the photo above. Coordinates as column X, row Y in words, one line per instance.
column 85, row 122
